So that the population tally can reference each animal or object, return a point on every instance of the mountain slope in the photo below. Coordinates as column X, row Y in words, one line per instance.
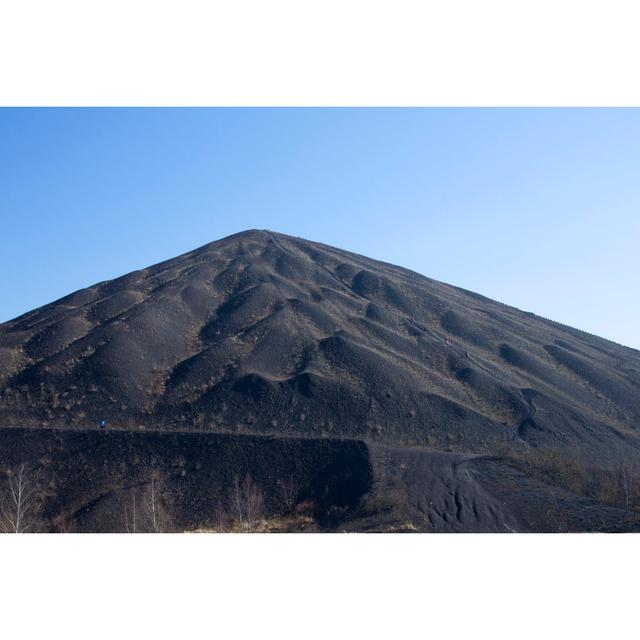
column 262, row 333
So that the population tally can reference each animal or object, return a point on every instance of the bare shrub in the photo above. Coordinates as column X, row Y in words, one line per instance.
column 18, row 502
column 390, row 501
column 65, row 525
column 558, row 468
column 247, row 503
column 289, row 490
column 222, row 519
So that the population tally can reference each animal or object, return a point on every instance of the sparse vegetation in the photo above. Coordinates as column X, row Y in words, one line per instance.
column 388, row 504
column 241, row 509
column 566, row 469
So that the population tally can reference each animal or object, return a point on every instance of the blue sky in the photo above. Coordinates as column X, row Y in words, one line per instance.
column 536, row 208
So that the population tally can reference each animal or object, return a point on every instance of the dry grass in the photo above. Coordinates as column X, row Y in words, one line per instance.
column 283, row 524
column 567, row 469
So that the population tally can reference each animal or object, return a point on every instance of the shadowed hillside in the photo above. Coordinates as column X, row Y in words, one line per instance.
column 265, row 334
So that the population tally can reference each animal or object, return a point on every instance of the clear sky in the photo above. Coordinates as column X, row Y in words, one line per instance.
column 539, row 209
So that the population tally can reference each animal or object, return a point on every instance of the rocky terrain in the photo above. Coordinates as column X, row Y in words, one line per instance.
column 383, row 399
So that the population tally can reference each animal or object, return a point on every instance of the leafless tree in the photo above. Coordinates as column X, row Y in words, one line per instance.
column 17, row 506
column 222, row 520
column 155, row 513
column 289, row 489
column 153, row 506
column 145, row 512
column 130, row 514
column 247, row 502
column 237, row 501
column 626, row 481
